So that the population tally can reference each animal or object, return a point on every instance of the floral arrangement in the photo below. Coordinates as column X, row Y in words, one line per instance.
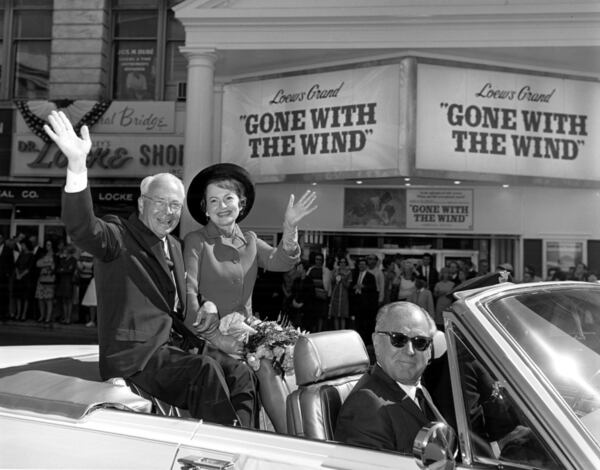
column 263, row 339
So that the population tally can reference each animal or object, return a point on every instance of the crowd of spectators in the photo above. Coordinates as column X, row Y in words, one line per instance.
column 44, row 283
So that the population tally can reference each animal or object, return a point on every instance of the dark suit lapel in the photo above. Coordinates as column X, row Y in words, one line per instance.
column 157, row 263
column 400, row 396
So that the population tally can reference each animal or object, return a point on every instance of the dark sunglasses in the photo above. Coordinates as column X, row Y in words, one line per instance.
column 399, row 340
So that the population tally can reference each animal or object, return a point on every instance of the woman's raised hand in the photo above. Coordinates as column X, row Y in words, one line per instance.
column 296, row 212
column 74, row 148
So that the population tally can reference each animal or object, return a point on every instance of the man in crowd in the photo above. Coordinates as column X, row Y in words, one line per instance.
column 388, row 405
column 363, row 300
column 428, row 271
column 7, row 265
column 140, row 282
column 375, row 269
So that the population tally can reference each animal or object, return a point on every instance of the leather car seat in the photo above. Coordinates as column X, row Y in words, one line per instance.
column 327, row 366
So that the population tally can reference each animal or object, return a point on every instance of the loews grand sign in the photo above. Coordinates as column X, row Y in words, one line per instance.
column 506, row 123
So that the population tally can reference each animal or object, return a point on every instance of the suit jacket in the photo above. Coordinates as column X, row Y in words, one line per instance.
column 134, row 285
column 364, row 304
column 378, row 414
column 7, row 263
column 433, row 277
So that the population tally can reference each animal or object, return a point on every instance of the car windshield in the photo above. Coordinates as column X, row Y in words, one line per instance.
column 559, row 328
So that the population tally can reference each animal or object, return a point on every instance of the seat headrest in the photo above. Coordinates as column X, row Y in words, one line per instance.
column 329, row 354
column 439, row 344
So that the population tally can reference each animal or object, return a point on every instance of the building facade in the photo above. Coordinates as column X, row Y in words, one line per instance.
column 463, row 129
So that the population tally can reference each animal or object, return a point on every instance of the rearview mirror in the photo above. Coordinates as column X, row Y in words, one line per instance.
column 435, row 447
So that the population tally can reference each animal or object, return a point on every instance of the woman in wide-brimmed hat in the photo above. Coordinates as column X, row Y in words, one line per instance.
column 221, row 259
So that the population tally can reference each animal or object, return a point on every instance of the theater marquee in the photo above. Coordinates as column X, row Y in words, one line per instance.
column 342, row 121
column 482, row 121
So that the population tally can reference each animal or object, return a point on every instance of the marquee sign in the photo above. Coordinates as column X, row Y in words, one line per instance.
column 507, row 123
column 346, row 120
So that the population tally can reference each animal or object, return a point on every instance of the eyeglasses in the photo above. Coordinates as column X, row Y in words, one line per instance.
column 399, row 340
column 162, row 204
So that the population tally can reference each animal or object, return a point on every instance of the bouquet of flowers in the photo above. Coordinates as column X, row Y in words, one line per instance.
column 263, row 339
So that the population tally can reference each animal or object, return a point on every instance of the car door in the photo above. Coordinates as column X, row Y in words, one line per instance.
column 505, row 414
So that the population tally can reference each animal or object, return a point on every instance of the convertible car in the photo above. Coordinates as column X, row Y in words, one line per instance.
column 516, row 375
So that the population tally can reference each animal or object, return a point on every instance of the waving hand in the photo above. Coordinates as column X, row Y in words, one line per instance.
column 75, row 148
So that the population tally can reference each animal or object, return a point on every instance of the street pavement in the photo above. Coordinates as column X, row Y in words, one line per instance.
column 17, row 333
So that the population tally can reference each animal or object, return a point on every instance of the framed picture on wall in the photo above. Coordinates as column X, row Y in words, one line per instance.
column 563, row 255
column 374, row 208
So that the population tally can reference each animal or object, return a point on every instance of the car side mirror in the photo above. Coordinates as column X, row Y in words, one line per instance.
column 435, row 448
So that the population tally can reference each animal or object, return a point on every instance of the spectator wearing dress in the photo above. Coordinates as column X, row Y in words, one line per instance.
column 406, row 280
column 22, row 281
column 44, row 292
column 422, row 296
column 339, row 305
column 65, row 272
column 441, row 296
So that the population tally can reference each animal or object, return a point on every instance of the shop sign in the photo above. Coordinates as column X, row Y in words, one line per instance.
column 123, row 117
column 29, row 195
column 439, row 208
column 346, row 120
column 507, row 123
column 115, row 195
column 135, row 117
column 113, row 156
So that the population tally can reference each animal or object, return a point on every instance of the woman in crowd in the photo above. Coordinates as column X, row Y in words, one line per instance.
column 44, row 291
column 440, row 293
column 65, row 271
column 406, row 280
column 339, row 308
column 22, row 280
column 222, row 260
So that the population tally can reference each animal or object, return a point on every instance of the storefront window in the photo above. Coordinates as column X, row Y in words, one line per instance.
column 146, row 40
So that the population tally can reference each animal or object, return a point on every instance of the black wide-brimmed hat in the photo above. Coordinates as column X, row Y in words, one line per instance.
column 220, row 171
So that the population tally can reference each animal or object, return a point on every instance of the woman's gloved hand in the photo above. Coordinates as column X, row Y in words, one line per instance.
column 207, row 326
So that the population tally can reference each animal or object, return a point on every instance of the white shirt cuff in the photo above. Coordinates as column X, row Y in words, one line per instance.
column 495, row 449
column 76, row 182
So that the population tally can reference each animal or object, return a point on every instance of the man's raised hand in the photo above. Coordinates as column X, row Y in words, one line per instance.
column 74, row 148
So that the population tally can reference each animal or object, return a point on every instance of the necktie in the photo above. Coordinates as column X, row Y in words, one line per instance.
column 423, row 404
column 171, row 266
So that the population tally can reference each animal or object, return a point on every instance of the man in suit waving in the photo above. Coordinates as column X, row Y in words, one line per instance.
column 140, row 281
column 388, row 406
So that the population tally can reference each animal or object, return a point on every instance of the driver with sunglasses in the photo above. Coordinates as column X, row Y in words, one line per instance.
column 388, row 405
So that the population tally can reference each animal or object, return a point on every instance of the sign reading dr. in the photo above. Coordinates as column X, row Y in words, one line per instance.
column 506, row 123
column 336, row 121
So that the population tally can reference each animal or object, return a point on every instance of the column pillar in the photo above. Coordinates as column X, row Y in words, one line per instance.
column 199, row 119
